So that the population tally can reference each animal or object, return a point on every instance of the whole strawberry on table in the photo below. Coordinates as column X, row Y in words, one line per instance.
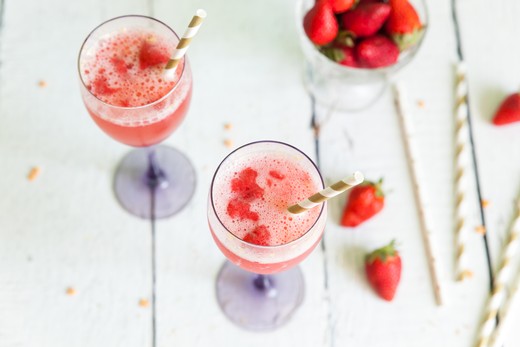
column 363, row 34
column 383, row 270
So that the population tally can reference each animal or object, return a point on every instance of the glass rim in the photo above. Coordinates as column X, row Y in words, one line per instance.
column 129, row 107
column 254, row 244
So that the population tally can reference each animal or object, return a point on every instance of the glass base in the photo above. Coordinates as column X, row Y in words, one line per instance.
column 173, row 190
column 341, row 93
column 259, row 302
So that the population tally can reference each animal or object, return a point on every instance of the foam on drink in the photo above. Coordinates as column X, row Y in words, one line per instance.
column 126, row 69
column 256, row 191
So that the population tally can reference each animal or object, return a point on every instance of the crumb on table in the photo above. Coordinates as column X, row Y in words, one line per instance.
column 42, row 84
column 228, row 143
column 421, row 103
column 144, row 302
column 228, row 126
column 485, row 203
column 480, row 230
column 34, row 173
column 70, row 291
column 466, row 274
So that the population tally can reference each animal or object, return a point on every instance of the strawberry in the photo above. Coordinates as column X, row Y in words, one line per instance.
column 404, row 24
column 245, row 185
column 237, row 208
column 339, row 6
column 276, row 174
column 259, row 236
column 376, row 51
column 320, row 23
column 341, row 54
column 365, row 201
column 119, row 65
column 152, row 54
column 509, row 110
column 100, row 86
column 383, row 270
column 366, row 19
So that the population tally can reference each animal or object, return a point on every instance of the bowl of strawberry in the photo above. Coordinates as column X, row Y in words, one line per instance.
column 353, row 47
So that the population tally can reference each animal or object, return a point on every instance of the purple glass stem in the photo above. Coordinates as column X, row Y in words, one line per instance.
column 155, row 176
column 160, row 169
column 259, row 302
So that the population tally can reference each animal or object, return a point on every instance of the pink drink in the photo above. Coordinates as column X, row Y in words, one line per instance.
column 125, row 90
column 250, row 196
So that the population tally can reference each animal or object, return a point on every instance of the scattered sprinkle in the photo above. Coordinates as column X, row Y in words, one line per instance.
column 70, row 291
column 421, row 103
column 485, row 203
column 34, row 173
column 144, row 303
column 466, row 274
column 228, row 143
column 42, row 84
column 228, row 126
column 480, row 230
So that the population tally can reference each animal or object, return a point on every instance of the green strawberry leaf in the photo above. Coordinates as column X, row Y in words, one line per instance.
column 333, row 54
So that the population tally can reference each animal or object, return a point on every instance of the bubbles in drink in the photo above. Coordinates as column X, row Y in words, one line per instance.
column 252, row 197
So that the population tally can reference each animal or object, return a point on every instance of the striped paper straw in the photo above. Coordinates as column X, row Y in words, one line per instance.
column 327, row 193
column 461, row 162
column 501, row 278
column 184, row 43
column 411, row 156
column 497, row 338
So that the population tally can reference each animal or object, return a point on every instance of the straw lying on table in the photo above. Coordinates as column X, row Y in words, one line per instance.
column 327, row 193
column 461, row 161
column 497, row 337
column 400, row 103
column 501, row 278
column 184, row 43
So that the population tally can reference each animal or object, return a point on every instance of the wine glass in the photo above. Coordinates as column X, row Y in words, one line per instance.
column 123, row 87
column 260, row 287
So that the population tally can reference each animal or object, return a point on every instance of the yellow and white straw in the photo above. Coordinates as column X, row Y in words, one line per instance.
column 185, row 41
column 461, row 164
column 501, row 278
column 411, row 156
column 497, row 338
column 327, row 193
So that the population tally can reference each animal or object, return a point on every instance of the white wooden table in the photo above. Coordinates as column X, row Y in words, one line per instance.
column 65, row 229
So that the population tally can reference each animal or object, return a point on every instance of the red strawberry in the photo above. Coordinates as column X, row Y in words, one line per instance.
column 237, row 208
column 365, row 201
column 509, row 110
column 376, row 51
column 366, row 19
column 119, row 65
column 152, row 54
column 259, row 236
column 245, row 185
column 404, row 24
column 339, row 6
column 100, row 86
column 341, row 54
column 276, row 174
column 383, row 270
column 320, row 23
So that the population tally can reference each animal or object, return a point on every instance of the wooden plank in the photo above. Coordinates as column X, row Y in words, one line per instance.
column 65, row 228
column 246, row 72
column 493, row 74
column 371, row 142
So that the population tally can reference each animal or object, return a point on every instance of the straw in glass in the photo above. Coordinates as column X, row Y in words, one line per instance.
column 327, row 193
